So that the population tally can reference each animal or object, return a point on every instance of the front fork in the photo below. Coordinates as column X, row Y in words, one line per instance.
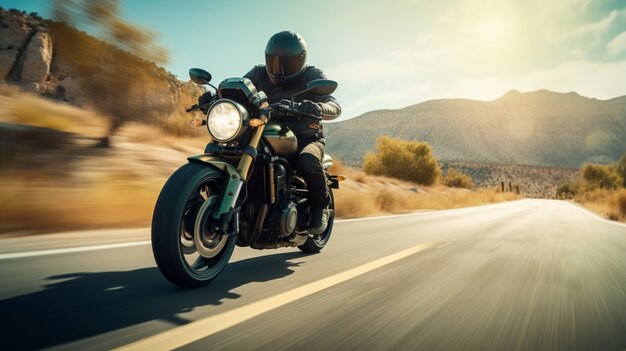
column 225, row 208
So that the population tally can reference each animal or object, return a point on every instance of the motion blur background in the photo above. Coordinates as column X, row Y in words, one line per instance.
column 93, row 94
column 391, row 55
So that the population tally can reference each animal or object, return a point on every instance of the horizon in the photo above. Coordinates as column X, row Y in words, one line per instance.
column 480, row 100
column 467, row 49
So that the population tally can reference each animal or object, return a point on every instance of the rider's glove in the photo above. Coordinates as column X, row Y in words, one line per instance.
column 310, row 107
column 205, row 99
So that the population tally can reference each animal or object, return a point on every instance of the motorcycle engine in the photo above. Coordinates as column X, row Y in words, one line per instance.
column 286, row 219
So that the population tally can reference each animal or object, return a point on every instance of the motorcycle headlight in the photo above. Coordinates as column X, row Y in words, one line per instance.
column 225, row 120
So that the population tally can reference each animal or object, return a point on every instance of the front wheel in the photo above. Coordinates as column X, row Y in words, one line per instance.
column 187, row 253
column 316, row 243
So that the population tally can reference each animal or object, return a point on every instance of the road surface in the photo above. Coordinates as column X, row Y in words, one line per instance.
column 528, row 275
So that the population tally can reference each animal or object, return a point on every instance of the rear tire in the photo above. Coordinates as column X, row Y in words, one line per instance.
column 173, row 227
column 316, row 243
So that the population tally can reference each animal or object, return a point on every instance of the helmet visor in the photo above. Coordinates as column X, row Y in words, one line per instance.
column 284, row 65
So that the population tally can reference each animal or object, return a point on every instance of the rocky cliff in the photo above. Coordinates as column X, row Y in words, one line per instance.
column 30, row 59
column 25, row 49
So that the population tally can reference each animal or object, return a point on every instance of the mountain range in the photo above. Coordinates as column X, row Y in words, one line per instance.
column 541, row 128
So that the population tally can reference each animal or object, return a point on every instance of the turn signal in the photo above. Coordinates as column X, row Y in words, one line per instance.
column 255, row 122
column 197, row 122
column 341, row 178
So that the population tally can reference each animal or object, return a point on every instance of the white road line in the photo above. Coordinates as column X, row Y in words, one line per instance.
column 383, row 217
column 8, row 256
column 596, row 216
column 147, row 242
column 427, row 212
column 202, row 328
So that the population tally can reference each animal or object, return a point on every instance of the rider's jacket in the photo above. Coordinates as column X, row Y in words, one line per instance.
column 306, row 130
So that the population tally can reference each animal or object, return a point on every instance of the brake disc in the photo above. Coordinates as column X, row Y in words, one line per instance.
column 207, row 242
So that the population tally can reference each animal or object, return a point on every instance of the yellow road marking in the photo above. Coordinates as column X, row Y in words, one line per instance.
column 202, row 328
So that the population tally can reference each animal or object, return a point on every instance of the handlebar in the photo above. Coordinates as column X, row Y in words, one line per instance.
column 285, row 106
column 198, row 107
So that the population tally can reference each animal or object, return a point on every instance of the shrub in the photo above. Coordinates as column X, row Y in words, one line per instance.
column 456, row 179
column 566, row 190
column 602, row 176
column 600, row 189
column 407, row 160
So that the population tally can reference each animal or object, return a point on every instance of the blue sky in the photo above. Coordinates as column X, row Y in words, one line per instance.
column 398, row 53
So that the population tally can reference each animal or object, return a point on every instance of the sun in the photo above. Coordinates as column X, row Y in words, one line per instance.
column 493, row 30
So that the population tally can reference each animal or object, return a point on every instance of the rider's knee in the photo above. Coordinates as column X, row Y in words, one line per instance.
column 309, row 164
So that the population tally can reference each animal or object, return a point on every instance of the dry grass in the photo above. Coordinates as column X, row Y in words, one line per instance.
column 364, row 195
column 80, row 187
column 112, row 188
column 621, row 202
column 35, row 205
column 600, row 189
column 21, row 108
column 118, row 187
column 609, row 203
column 352, row 203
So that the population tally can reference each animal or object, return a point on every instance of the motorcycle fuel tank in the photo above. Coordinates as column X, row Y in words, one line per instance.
column 280, row 139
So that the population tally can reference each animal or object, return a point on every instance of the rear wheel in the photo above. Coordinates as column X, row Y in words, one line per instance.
column 316, row 243
column 187, row 253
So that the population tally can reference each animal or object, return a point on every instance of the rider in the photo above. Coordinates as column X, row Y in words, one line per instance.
column 285, row 73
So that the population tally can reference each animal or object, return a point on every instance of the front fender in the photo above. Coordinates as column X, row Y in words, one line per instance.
column 213, row 161
column 232, row 182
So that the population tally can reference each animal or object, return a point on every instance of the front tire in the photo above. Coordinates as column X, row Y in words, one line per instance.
column 174, row 225
column 316, row 243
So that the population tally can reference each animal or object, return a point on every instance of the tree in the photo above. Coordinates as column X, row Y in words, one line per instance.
column 115, row 74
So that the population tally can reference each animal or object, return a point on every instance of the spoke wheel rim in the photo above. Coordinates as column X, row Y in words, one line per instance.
column 321, row 239
column 207, row 243
column 192, row 251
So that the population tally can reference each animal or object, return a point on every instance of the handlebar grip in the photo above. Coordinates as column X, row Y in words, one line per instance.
column 285, row 107
column 198, row 107
column 309, row 115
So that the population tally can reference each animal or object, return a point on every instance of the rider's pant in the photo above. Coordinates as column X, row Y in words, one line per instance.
column 309, row 166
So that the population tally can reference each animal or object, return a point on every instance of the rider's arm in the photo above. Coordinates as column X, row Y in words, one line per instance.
column 329, row 105
column 255, row 75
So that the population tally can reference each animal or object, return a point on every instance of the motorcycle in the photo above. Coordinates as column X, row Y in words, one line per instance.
column 242, row 191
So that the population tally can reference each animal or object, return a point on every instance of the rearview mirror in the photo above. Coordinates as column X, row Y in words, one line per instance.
column 321, row 86
column 199, row 76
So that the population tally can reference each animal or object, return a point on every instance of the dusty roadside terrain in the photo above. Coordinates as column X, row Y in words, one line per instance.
column 55, row 178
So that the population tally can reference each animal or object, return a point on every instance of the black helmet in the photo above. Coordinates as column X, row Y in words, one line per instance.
column 285, row 56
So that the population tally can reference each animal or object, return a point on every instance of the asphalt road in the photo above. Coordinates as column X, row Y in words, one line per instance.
column 530, row 275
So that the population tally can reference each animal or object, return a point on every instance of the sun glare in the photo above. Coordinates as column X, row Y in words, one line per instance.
column 493, row 30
